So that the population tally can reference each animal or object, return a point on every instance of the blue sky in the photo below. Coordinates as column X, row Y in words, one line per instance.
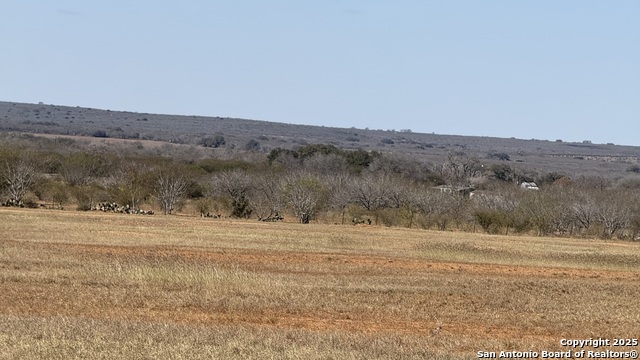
column 528, row 69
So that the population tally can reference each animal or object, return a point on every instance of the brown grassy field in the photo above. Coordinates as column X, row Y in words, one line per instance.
column 104, row 286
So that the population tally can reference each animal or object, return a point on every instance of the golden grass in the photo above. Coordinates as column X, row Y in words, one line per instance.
column 87, row 285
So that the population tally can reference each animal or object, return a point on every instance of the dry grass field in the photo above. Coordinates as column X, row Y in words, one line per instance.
column 105, row 286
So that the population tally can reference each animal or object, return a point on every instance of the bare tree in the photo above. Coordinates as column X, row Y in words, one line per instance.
column 593, row 182
column 459, row 169
column 547, row 211
column 304, row 194
column 371, row 192
column 496, row 212
column 379, row 192
column 19, row 175
column 266, row 197
column 436, row 207
column 169, row 185
column 339, row 197
column 59, row 193
column 79, row 168
column 402, row 166
column 614, row 211
column 326, row 164
column 130, row 184
column 401, row 199
column 584, row 209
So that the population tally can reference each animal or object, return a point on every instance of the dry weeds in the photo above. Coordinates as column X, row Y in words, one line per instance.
column 85, row 285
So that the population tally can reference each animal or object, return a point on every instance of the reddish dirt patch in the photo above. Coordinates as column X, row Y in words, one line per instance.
column 266, row 259
column 60, row 297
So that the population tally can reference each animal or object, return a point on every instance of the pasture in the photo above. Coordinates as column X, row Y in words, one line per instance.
column 104, row 286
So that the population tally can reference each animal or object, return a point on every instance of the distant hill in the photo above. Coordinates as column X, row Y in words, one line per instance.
column 549, row 156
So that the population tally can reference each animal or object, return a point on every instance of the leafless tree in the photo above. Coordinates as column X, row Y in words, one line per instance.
column 403, row 167
column 19, row 175
column 404, row 197
column 79, row 168
column 130, row 183
column 495, row 211
column 593, row 182
column 615, row 209
column 398, row 193
column 169, row 185
column 266, row 196
column 547, row 211
column 584, row 208
column 393, row 164
column 370, row 191
column 339, row 197
column 436, row 207
column 460, row 169
column 325, row 164
column 304, row 194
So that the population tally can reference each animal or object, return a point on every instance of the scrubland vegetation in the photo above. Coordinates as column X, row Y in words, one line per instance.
column 318, row 183
column 308, row 250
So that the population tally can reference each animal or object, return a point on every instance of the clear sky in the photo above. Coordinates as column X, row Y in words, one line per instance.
column 543, row 69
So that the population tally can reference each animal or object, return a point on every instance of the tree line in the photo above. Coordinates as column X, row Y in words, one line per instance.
column 327, row 184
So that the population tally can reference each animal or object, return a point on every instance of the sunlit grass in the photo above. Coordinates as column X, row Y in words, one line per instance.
column 85, row 285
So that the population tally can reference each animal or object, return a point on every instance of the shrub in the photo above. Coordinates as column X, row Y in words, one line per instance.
column 492, row 221
column 502, row 172
column 360, row 159
column 502, row 156
column 311, row 150
column 252, row 145
column 30, row 203
column 634, row 169
column 216, row 165
column 213, row 141
column 240, row 208
column 549, row 178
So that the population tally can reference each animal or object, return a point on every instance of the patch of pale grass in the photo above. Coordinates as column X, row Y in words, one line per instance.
column 76, row 338
column 172, row 275
column 531, row 251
